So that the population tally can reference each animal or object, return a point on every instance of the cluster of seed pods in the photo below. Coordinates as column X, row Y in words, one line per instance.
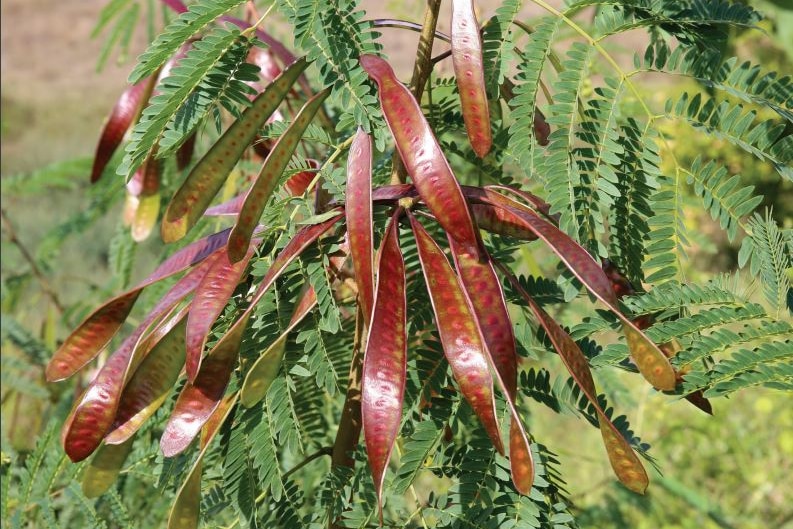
column 469, row 305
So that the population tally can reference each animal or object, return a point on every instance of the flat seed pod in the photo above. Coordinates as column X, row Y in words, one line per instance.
column 359, row 218
column 104, row 468
column 624, row 461
column 421, row 154
column 230, row 207
column 262, row 373
column 385, row 359
column 299, row 182
column 208, row 175
column 469, row 72
column 272, row 169
column 96, row 331
column 197, row 400
column 487, row 300
column 650, row 360
column 184, row 154
column 541, row 128
column 187, row 505
column 145, row 217
column 462, row 343
column 118, row 122
column 95, row 411
column 211, row 297
column 154, row 378
column 501, row 222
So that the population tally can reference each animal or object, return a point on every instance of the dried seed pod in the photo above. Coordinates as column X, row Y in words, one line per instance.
column 268, row 177
column 206, row 178
column 359, row 218
column 421, row 154
column 468, row 69
column 385, row 359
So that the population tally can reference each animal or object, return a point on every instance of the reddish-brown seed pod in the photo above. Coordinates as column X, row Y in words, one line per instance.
column 421, row 154
column 624, row 461
column 95, row 410
column 85, row 342
column 652, row 363
column 151, row 382
column 104, row 468
column 501, row 222
column 197, row 400
column 120, row 120
column 299, row 182
column 184, row 155
column 469, row 71
column 272, row 169
column 359, row 218
column 187, row 505
column 462, row 343
column 385, row 359
column 487, row 300
column 541, row 128
column 210, row 299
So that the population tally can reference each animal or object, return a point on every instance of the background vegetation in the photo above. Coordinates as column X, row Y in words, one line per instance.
column 727, row 471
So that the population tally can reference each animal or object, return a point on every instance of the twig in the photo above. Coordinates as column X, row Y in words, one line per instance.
column 37, row 273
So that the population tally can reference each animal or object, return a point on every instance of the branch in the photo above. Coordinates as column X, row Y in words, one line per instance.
column 37, row 273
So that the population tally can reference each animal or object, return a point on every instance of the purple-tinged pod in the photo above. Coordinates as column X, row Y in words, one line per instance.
column 265, row 183
column 461, row 340
column 211, row 297
column 469, row 72
column 198, row 400
column 151, row 382
column 207, row 176
column 650, row 360
column 421, row 154
column 187, row 505
column 359, row 218
column 479, row 279
column 95, row 411
column 385, row 359
column 96, row 331
column 624, row 461
column 124, row 113
column 501, row 222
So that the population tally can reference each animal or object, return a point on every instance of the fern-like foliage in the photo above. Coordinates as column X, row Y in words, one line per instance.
column 198, row 16
column 498, row 45
column 771, row 252
column 211, row 72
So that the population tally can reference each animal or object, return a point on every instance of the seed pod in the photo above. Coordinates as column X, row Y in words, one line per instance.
column 186, row 507
column 262, row 373
column 460, row 338
column 481, row 284
column 104, row 468
column 95, row 410
column 184, row 155
column 120, row 120
column 359, row 218
column 421, row 154
column 211, row 297
column 152, row 380
column 624, row 461
column 146, row 214
column 541, row 128
column 198, row 400
column 268, row 177
column 652, row 363
column 468, row 69
column 385, row 359
column 501, row 222
column 208, row 175
column 299, row 182
column 94, row 333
